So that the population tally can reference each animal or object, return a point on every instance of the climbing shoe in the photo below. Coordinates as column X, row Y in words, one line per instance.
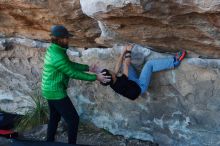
column 180, row 55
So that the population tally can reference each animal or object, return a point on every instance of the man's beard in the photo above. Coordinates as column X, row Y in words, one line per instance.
column 60, row 43
column 64, row 46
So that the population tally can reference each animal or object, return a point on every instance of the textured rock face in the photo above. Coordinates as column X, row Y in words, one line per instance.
column 20, row 73
column 166, row 25
column 34, row 18
column 181, row 106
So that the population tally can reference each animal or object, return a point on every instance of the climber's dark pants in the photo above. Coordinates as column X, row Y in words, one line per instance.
column 64, row 108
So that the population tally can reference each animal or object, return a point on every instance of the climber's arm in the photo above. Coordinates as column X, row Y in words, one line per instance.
column 119, row 63
column 120, row 60
column 126, row 63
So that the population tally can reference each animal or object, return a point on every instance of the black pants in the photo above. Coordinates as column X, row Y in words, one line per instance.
column 64, row 108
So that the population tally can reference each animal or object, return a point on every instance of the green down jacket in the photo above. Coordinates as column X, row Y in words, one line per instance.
column 57, row 70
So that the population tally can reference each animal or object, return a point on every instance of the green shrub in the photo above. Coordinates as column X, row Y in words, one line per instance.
column 37, row 113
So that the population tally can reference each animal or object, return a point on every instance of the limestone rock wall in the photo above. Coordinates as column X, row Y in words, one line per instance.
column 33, row 19
column 165, row 25
column 21, row 63
column 181, row 106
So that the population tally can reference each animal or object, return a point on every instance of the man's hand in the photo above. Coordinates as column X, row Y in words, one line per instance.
column 94, row 68
column 127, row 61
column 129, row 47
column 102, row 78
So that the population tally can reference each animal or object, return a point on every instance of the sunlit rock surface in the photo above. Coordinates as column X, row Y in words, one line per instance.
column 33, row 19
column 166, row 25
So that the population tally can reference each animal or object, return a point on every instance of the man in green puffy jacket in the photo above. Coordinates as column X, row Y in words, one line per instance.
column 56, row 73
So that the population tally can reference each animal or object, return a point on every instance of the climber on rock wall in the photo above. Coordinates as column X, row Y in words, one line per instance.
column 56, row 73
column 129, row 84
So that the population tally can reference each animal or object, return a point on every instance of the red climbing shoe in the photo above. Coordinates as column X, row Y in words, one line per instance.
column 180, row 55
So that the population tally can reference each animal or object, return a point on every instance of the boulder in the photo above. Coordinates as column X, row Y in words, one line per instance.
column 165, row 25
column 179, row 108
